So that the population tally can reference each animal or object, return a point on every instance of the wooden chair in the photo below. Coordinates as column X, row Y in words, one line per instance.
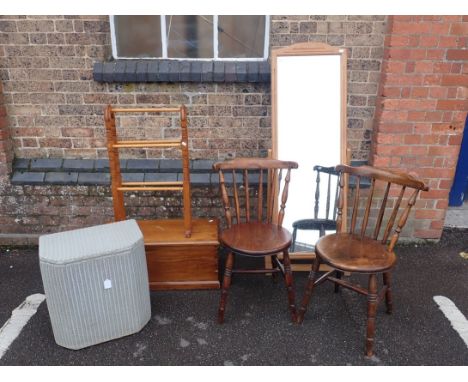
column 361, row 250
column 253, row 227
column 327, row 221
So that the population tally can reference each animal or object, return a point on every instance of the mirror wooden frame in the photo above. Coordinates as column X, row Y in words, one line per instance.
column 311, row 49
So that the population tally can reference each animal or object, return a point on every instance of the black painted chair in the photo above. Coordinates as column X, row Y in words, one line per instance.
column 327, row 222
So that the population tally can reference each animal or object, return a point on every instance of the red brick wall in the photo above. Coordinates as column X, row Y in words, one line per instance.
column 422, row 108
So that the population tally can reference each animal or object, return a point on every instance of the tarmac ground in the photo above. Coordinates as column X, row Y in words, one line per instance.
column 258, row 331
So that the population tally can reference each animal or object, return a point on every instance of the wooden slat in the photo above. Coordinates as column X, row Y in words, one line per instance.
column 355, row 205
column 255, row 271
column 129, row 184
column 151, row 188
column 186, row 193
column 145, row 145
column 317, row 195
column 260, row 197
column 368, row 207
column 147, row 110
column 247, row 196
column 225, row 197
column 348, row 285
column 327, row 212
column 391, row 221
column 236, row 196
column 381, row 212
column 403, row 218
column 151, row 141
column 324, row 277
column 114, row 165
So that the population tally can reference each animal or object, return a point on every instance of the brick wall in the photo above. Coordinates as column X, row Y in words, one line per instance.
column 31, row 210
column 413, row 116
column 55, row 108
column 6, row 148
column 363, row 36
column 422, row 108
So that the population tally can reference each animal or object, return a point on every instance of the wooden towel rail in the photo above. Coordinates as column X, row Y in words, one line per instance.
column 113, row 145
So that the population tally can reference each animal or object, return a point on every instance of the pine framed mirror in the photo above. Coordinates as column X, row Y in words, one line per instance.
column 308, row 126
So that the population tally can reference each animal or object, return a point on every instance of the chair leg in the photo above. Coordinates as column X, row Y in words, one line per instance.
column 388, row 293
column 309, row 288
column 225, row 287
column 293, row 243
column 274, row 266
column 371, row 312
column 289, row 285
column 338, row 276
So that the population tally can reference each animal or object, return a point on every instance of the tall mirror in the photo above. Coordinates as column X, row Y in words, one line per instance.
column 309, row 127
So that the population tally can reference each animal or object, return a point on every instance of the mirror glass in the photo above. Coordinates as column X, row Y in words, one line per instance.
column 309, row 117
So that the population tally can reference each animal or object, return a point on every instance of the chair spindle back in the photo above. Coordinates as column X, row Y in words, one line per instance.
column 247, row 184
column 395, row 186
column 328, row 202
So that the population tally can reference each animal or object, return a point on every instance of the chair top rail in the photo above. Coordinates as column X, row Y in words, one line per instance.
column 147, row 110
column 253, row 163
column 328, row 170
column 386, row 175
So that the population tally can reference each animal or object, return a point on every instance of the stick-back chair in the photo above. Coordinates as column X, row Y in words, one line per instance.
column 366, row 248
column 327, row 219
column 252, row 189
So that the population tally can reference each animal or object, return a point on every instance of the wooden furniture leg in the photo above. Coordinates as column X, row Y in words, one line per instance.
column 225, row 287
column 388, row 292
column 338, row 276
column 289, row 285
column 309, row 289
column 371, row 312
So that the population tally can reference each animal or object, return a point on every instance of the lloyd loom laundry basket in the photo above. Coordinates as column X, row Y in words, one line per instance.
column 96, row 283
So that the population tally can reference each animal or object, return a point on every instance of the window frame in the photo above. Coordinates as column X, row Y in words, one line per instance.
column 215, row 44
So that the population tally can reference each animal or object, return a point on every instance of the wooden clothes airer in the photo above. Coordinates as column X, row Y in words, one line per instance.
column 113, row 145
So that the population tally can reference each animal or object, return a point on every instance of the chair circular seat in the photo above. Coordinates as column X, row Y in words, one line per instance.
column 256, row 238
column 348, row 252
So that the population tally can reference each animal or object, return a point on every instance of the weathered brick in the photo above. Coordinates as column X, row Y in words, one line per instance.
column 94, row 26
column 72, row 86
column 8, row 26
column 55, row 38
column 35, row 26
column 457, row 54
column 307, row 27
column 280, row 27
column 38, row 38
column 153, row 98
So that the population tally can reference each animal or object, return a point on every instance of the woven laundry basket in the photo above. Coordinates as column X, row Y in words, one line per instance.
column 96, row 283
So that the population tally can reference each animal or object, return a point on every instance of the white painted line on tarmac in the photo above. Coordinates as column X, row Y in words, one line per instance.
column 456, row 318
column 19, row 318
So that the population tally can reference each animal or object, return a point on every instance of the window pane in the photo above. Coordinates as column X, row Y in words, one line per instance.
column 241, row 36
column 138, row 36
column 189, row 36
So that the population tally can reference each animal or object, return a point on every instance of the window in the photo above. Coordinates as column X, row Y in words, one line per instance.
column 189, row 37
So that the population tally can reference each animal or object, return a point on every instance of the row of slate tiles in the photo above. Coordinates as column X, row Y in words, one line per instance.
column 96, row 171
column 163, row 70
column 46, row 171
